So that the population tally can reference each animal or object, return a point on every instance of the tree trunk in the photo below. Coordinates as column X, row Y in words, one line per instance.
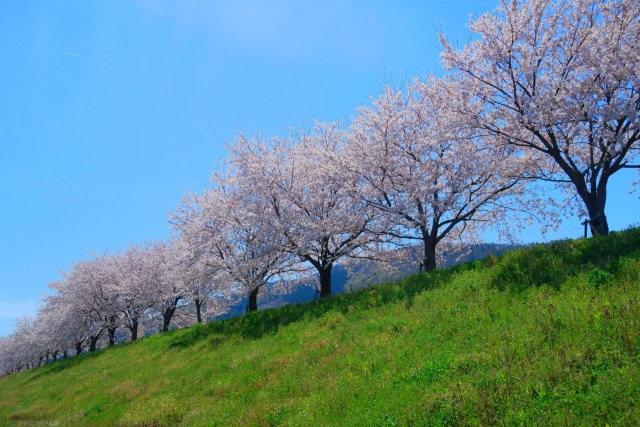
column 93, row 341
column 134, row 330
column 594, row 197
column 198, row 310
column 166, row 318
column 428, row 262
column 325, row 280
column 78, row 348
column 253, row 300
column 55, row 356
column 112, row 335
column 597, row 219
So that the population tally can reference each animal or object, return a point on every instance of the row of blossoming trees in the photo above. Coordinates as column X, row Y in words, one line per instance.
column 548, row 91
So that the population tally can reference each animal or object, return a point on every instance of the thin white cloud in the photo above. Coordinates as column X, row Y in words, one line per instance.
column 15, row 310
column 64, row 52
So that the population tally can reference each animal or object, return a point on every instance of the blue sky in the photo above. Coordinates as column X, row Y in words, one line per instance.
column 110, row 110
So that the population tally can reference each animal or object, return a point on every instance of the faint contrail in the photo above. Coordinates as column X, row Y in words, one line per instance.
column 70, row 53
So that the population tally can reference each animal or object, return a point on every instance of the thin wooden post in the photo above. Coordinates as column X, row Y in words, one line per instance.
column 585, row 223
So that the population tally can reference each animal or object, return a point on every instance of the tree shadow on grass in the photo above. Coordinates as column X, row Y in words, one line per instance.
column 257, row 324
column 59, row 365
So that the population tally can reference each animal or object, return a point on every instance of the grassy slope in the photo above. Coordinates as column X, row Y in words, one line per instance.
column 545, row 335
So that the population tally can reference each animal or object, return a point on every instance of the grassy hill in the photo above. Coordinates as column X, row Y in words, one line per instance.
column 364, row 273
column 547, row 335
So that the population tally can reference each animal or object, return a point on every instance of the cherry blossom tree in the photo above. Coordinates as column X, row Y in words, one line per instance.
column 68, row 323
column 26, row 352
column 434, row 179
column 8, row 355
column 226, row 228
column 53, row 330
column 156, row 273
column 135, row 295
column 303, row 189
column 90, row 287
column 199, row 279
column 558, row 80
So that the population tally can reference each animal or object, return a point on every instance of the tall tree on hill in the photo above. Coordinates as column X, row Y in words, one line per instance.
column 199, row 280
column 558, row 80
column 434, row 179
column 305, row 192
column 89, row 286
column 130, row 275
column 229, row 234
column 8, row 355
column 25, row 350
column 158, row 264
column 51, row 328
column 67, row 323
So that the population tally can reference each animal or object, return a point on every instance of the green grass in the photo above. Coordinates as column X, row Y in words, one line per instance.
column 547, row 335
